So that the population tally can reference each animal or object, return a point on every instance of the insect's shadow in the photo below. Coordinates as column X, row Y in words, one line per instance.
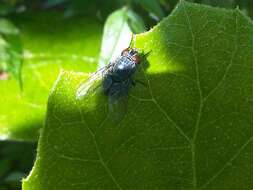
column 144, row 65
column 140, row 90
column 144, row 62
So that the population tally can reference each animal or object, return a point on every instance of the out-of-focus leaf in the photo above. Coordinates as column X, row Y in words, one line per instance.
column 7, row 27
column 16, row 159
column 50, row 44
column 116, row 36
column 153, row 7
column 135, row 22
column 52, row 3
column 3, row 188
column 118, row 31
column 10, row 51
column 219, row 3
column 94, row 8
column 5, row 166
column 170, row 4
column 5, row 8
column 190, row 128
column 14, row 177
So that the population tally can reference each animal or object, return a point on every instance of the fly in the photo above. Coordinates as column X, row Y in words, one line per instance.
column 115, row 80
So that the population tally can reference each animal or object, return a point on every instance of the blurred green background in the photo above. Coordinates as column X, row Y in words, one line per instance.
column 27, row 25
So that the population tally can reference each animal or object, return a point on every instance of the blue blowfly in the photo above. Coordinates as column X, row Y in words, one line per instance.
column 114, row 80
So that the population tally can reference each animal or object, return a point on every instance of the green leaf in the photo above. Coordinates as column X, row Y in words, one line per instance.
column 223, row 3
column 135, row 22
column 190, row 128
column 50, row 44
column 116, row 36
column 14, row 177
column 10, row 51
column 118, row 31
column 7, row 27
column 153, row 7
column 52, row 3
column 16, row 160
column 6, row 8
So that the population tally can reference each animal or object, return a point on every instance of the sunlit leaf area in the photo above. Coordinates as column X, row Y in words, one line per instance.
column 126, row 95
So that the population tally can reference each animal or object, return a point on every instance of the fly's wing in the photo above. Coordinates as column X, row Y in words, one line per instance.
column 93, row 84
column 118, row 107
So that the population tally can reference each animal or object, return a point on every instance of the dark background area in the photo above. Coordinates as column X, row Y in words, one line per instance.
column 16, row 158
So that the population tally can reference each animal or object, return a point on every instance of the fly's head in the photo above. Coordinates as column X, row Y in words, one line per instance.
column 132, row 54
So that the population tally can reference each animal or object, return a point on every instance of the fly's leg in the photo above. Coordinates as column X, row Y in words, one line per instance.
column 134, row 82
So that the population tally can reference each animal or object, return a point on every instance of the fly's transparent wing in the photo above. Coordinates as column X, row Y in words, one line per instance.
column 92, row 84
column 118, row 107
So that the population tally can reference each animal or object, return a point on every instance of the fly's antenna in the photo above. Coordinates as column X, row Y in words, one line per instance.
column 147, row 54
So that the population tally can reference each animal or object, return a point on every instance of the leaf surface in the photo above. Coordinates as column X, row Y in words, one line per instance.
column 191, row 128
column 10, row 51
column 50, row 44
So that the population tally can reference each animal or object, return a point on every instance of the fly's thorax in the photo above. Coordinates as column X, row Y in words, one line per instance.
column 124, row 68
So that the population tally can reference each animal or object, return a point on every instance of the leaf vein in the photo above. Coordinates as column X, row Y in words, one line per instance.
column 227, row 163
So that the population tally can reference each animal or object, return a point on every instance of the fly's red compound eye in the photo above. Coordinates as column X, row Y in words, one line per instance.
column 136, row 59
column 131, row 53
column 125, row 51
